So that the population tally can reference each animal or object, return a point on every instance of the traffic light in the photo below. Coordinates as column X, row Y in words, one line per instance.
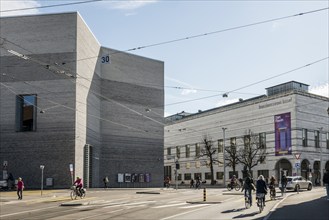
column 177, row 166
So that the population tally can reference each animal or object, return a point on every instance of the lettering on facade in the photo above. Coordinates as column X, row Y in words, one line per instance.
column 282, row 101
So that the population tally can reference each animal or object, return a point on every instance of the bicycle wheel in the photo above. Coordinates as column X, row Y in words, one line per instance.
column 83, row 195
column 229, row 187
column 73, row 195
column 237, row 187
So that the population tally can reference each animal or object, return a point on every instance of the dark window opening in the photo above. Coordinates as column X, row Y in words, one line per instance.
column 26, row 112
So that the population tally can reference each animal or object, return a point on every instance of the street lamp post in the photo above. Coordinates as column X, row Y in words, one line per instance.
column 224, row 163
column 42, row 167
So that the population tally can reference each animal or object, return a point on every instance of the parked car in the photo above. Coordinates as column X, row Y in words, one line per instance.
column 297, row 182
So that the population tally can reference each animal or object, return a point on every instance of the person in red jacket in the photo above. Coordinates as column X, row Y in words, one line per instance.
column 20, row 187
column 78, row 183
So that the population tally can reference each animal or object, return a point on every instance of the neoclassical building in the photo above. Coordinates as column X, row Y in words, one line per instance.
column 70, row 107
column 290, row 123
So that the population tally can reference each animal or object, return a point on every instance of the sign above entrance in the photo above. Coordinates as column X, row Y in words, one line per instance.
column 297, row 156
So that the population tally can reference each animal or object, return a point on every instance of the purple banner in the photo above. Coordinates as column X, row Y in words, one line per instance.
column 282, row 126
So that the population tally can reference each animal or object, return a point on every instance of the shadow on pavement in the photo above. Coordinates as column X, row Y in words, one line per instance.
column 315, row 209
column 246, row 215
column 233, row 210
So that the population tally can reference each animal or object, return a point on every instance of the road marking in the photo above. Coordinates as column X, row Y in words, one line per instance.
column 169, row 205
column 18, row 213
column 194, row 206
column 184, row 213
column 93, row 216
column 274, row 207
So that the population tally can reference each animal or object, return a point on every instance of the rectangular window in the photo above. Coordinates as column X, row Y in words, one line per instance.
column 233, row 143
column 187, row 151
column 327, row 140
column 197, row 175
column 220, row 146
column 178, row 152
column 197, row 150
column 304, row 137
column 219, row 175
column 246, row 141
column 169, row 151
column 262, row 140
column 187, row 176
column 26, row 110
column 316, row 138
column 265, row 173
column 207, row 176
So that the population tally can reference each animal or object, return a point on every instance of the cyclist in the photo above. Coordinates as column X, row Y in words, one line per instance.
column 233, row 181
column 261, row 187
column 272, row 186
column 247, row 187
column 78, row 183
column 167, row 182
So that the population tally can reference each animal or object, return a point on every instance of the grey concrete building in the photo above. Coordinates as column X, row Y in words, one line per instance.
column 76, row 107
column 289, row 123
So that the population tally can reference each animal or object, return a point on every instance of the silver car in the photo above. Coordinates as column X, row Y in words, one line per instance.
column 298, row 182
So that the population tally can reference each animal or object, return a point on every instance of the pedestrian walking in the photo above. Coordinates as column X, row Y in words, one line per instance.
column 106, row 181
column 20, row 187
column 326, row 182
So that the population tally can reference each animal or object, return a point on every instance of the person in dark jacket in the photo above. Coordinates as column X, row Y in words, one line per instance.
column 248, row 186
column 325, row 180
column 261, row 187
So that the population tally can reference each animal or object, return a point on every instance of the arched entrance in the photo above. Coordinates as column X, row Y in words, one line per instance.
column 283, row 166
column 305, row 168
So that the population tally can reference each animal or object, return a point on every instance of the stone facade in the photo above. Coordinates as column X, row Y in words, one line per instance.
column 87, row 95
column 307, row 112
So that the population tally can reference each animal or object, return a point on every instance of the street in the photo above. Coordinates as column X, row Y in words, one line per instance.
column 160, row 204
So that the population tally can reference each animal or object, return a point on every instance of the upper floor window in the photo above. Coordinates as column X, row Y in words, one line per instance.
column 197, row 150
column 317, row 138
column 169, row 151
column 262, row 140
column 246, row 141
column 187, row 151
column 304, row 137
column 220, row 146
column 178, row 152
column 327, row 140
column 233, row 143
column 26, row 111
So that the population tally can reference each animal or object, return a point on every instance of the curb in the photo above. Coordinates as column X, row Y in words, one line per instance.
column 72, row 204
column 147, row 193
column 202, row 202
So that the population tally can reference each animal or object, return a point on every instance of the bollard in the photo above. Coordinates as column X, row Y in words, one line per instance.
column 204, row 194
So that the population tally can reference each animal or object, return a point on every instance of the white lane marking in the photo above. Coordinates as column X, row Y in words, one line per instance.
column 169, row 205
column 184, row 213
column 274, row 207
column 93, row 216
column 194, row 206
column 126, row 204
column 34, row 210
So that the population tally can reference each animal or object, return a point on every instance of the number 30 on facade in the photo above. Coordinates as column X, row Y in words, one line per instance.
column 106, row 59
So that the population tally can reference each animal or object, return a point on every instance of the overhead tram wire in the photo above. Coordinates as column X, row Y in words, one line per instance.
column 191, row 100
column 207, row 34
column 252, row 84
column 41, row 63
column 49, row 6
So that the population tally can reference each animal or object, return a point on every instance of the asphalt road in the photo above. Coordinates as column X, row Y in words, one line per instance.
column 160, row 204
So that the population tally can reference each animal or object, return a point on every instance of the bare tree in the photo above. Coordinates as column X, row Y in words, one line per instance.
column 231, row 155
column 209, row 151
column 253, row 152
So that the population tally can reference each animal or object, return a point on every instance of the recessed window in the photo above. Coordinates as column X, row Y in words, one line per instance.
column 304, row 137
column 26, row 112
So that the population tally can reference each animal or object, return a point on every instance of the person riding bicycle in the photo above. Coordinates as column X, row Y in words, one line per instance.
column 233, row 181
column 167, row 182
column 272, row 185
column 78, row 183
column 247, row 187
column 261, row 187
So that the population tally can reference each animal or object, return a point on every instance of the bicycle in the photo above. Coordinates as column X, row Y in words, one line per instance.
column 247, row 199
column 75, row 193
column 260, row 201
column 236, row 186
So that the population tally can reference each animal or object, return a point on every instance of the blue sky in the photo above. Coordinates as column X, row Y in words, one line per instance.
column 213, row 64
